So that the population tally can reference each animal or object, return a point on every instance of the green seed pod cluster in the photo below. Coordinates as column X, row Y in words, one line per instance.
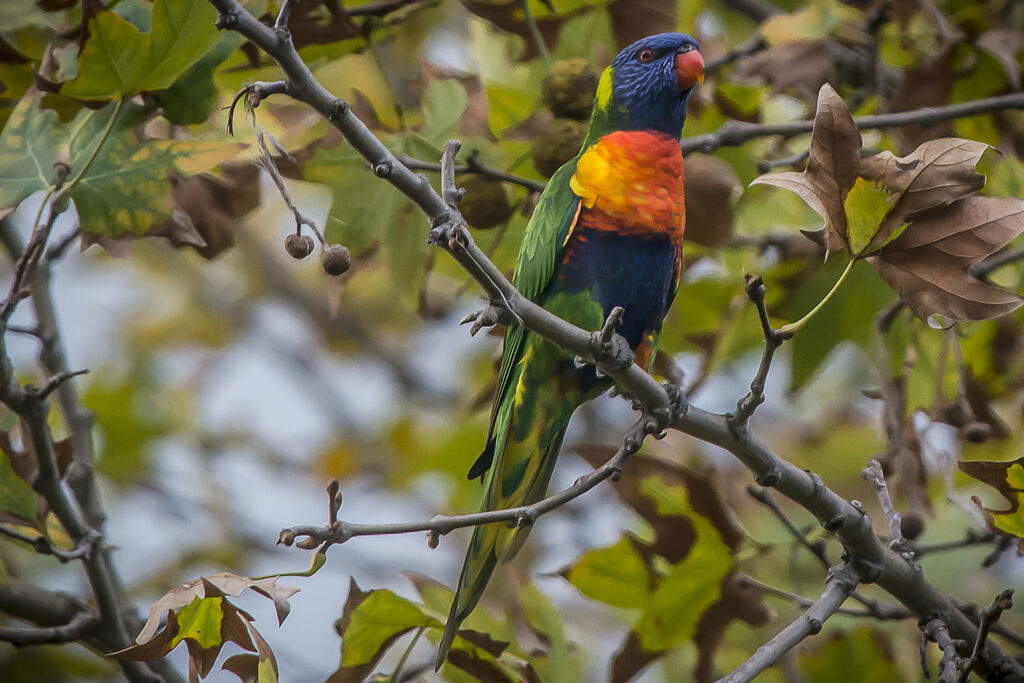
column 568, row 89
column 486, row 203
column 557, row 143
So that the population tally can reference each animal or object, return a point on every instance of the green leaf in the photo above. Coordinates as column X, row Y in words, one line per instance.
column 380, row 618
column 124, row 188
column 616, row 575
column 200, row 621
column 866, row 206
column 1008, row 479
column 852, row 657
column 692, row 585
column 18, row 500
column 118, row 60
column 191, row 97
column 848, row 317
column 561, row 662
column 443, row 104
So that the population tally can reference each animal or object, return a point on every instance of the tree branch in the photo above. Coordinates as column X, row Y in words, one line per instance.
column 934, row 630
column 80, row 627
column 869, row 558
column 989, row 616
column 840, row 583
column 738, row 132
column 873, row 474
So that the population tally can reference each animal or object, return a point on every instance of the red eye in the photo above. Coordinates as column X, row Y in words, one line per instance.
column 646, row 55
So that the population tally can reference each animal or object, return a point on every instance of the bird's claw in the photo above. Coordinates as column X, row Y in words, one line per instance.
column 488, row 317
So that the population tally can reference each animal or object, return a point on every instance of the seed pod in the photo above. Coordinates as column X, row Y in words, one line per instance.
column 336, row 260
column 569, row 88
column 559, row 142
column 486, row 203
column 298, row 246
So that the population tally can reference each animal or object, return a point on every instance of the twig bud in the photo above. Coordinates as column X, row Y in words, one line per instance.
column 286, row 537
column 298, row 246
column 336, row 260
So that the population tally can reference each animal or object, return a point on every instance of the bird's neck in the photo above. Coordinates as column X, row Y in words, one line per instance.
column 633, row 182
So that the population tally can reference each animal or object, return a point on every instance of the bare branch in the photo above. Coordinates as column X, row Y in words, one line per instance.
column 339, row 531
column 474, row 165
column 873, row 473
column 42, row 545
column 840, row 583
column 773, row 339
column 738, row 132
column 989, row 616
column 934, row 630
column 81, row 627
column 895, row 614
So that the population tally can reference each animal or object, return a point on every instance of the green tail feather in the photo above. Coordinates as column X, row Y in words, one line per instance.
column 491, row 544
column 476, row 572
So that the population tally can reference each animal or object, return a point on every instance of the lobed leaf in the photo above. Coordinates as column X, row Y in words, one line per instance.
column 927, row 264
column 1008, row 479
column 118, row 60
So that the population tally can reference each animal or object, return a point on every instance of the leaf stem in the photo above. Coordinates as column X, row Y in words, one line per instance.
column 405, row 655
column 792, row 328
column 96, row 150
column 531, row 21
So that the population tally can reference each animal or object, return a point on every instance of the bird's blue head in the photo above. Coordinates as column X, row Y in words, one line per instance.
column 648, row 84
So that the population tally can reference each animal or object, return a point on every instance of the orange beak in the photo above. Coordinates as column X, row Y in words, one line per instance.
column 689, row 69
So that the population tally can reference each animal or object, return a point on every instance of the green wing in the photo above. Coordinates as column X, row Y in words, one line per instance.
column 546, row 234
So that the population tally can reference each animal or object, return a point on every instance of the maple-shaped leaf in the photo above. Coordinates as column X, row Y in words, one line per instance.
column 927, row 263
column 937, row 173
column 1008, row 479
column 200, row 615
column 124, row 188
column 118, row 60
column 832, row 167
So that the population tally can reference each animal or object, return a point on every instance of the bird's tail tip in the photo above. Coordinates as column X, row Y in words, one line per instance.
column 447, row 638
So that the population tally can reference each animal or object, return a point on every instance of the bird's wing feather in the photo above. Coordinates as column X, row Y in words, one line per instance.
column 546, row 234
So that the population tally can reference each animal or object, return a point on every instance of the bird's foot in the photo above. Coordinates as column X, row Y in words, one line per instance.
column 488, row 317
column 609, row 350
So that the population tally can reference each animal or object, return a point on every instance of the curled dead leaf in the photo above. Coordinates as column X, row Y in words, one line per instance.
column 832, row 166
column 927, row 263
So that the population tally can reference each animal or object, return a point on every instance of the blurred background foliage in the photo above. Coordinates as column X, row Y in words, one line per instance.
column 229, row 381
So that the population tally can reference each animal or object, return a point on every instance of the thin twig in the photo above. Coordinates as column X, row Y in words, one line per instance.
column 738, row 132
column 840, row 583
column 340, row 531
column 746, row 406
column 934, row 630
column 805, row 602
column 475, row 166
column 989, row 616
column 42, row 545
column 874, row 475
column 82, row 626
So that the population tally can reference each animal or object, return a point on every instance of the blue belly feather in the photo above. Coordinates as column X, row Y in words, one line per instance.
column 633, row 271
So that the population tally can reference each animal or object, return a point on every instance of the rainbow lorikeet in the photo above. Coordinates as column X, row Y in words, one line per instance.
column 607, row 232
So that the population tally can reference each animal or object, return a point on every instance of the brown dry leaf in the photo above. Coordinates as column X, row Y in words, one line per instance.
column 247, row 666
column 674, row 534
column 927, row 264
column 832, row 166
column 507, row 15
column 928, row 83
column 799, row 68
column 936, row 173
column 1008, row 479
column 225, row 584
column 632, row 20
column 1005, row 44
column 711, row 189
column 738, row 601
column 207, row 207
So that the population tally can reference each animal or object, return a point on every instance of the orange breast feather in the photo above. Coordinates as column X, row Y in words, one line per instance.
column 632, row 182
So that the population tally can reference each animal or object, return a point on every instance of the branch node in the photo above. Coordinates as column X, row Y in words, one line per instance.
column 433, row 539
column 227, row 20
column 382, row 170
column 834, row 524
column 339, row 109
column 813, row 626
column 768, row 479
